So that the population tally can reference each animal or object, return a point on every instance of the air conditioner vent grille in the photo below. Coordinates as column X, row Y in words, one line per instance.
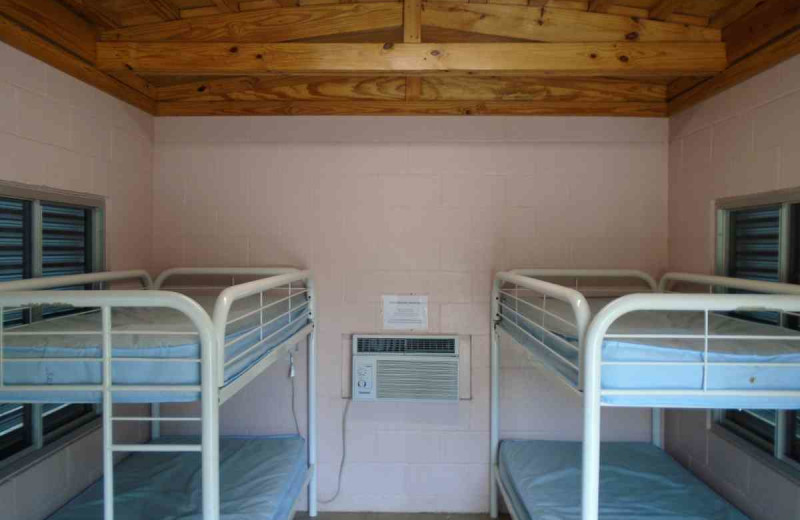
column 429, row 380
column 395, row 345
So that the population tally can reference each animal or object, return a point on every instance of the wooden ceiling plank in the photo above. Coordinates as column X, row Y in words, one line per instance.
column 227, row 6
column 17, row 36
column 199, row 12
column 765, row 23
column 558, row 25
column 271, row 25
column 54, row 22
column 599, row 6
column 165, row 9
column 733, row 12
column 253, row 5
column 769, row 56
column 411, row 108
column 94, row 13
column 568, row 59
column 663, row 9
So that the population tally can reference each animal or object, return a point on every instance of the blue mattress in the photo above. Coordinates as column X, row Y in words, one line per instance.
column 260, row 479
column 637, row 482
column 152, row 349
column 669, row 376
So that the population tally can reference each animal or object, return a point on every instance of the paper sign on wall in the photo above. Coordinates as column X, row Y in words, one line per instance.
column 405, row 312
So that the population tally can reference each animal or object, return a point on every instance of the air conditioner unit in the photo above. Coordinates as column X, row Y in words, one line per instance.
column 392, row 368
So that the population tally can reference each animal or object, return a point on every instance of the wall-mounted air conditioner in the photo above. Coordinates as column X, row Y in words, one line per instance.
column 392, row 368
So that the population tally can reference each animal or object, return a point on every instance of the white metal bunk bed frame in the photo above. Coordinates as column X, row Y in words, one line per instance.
column 781, row 297
column 213, row 392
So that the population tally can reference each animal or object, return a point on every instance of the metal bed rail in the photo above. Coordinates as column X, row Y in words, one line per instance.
column 105, row 301
column 708, row 304
column 210, row 331
column 293, row 282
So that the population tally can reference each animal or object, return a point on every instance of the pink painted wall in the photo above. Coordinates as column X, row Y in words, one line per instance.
column 58, row 133
column 742, row 141
column 431, row 205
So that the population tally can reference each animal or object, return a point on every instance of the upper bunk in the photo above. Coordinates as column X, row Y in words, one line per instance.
column 641, row 344
column 159, row 338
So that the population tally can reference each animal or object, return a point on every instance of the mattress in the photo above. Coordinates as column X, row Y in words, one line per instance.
column 668, row 376
column 260, row 479
column 637, row 482
column 159, row 346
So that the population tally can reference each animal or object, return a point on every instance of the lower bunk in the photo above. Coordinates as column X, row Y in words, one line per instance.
column 261, row 478
column 541, row 480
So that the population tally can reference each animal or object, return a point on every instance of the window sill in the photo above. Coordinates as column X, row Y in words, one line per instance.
column 24, row 461
column 789, row 469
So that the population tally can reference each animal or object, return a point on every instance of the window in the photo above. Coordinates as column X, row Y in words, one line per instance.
column 44, row 236
column 759, row 240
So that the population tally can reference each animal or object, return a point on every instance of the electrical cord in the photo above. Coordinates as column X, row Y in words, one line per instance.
column 344, row 455
column 291, row 378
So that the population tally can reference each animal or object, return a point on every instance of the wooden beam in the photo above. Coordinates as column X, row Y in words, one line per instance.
column 431, row 88
column 765, row 23
column 412, row 21
column 557, row 25
column 282, row 108
column 287, row 88
column 567, row 59
column 681, row 85
column 93, row 12
column 54, row 22
column 663, row 9
column 599, row 6
column 769, row 56
column 227, row 6
column 733, row 12
column 165, row 9
column 509, row 88
column 31, row 43
column 272, row 25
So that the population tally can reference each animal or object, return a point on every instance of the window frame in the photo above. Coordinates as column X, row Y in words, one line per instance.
column 778, row 452
column 44, row 437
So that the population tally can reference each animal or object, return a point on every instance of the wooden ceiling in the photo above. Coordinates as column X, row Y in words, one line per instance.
column 278, row 57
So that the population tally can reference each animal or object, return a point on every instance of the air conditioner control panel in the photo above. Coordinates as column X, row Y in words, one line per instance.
column 363, row 377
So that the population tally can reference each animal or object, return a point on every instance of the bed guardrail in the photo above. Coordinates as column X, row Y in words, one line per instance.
column 105, row 301
column 782, row 298
column 71, row 280
column 581, row 274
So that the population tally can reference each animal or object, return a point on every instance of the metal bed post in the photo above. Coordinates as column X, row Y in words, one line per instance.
column 590, row 499
column 210, row 403
column 312, row 400
column 108, row 422
column 494, row 405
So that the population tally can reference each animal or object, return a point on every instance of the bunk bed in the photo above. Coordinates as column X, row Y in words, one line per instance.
column 635, row 344
column 152, row 343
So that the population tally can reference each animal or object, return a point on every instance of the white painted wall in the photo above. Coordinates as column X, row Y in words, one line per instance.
column 743, row 141
column 59, row 133
column 378, row 205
